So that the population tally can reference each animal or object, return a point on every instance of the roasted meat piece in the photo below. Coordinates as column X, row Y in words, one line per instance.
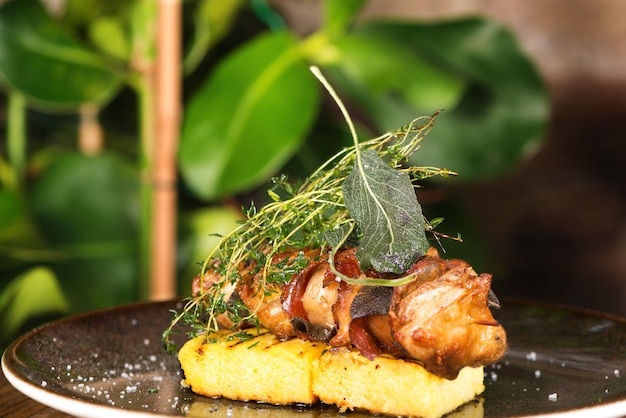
column 441, row 318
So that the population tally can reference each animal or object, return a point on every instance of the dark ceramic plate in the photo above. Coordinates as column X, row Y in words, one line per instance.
column 562, row 362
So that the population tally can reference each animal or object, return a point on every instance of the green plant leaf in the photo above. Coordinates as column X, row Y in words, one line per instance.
column 11, row 213
column 20, row 243
column 41, row 60
column 87, row 209
column 212, row 20
column 339, row 14
column 81, row 13
column 15, row 227
column 266, row 13
column 383, row 203
column 109, row 279
column 86, row 199
column 250, row 116
column 108, row 34
column 33, row 293
column 395, row 78
column 502, row 114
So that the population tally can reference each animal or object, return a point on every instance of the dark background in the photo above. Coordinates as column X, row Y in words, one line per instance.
column 554, row 228
column 557, row 223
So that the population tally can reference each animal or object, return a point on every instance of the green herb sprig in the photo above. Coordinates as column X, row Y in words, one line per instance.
column 303, row 215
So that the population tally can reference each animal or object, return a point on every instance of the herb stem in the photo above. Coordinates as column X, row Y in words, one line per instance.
column 309, row 216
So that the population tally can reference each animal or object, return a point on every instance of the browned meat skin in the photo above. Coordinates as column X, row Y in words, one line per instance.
column 261, row 298
column 441, row 319
column 202, row 283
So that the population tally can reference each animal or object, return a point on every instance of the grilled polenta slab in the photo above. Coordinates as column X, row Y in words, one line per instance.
column 387, row 385
column 262, row 368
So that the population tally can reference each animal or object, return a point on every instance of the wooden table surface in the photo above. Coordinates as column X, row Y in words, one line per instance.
column 14, row 404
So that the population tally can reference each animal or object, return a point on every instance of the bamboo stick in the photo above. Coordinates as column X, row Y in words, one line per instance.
column 90, row 135
column 167, row 120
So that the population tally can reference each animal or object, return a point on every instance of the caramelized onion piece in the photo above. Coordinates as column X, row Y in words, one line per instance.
column 319, row 298
column 202, row 283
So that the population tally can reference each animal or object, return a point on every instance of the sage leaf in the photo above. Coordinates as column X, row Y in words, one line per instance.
column 383, row 203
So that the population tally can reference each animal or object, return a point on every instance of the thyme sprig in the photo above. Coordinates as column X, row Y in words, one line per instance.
column 309, row 215
column 299, row 217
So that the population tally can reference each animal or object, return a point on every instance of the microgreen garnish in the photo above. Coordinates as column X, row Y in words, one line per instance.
column 241, row 336
column 254, row 344
column 319, row 213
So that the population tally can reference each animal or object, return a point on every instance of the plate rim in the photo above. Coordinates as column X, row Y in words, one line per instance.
column 84, row 408
column 58, row 401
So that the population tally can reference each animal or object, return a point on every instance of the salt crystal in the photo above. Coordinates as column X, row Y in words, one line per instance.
column 44, row 383
column 532, row 356
column 537, row 374
column 552, row 397
column 616, row 373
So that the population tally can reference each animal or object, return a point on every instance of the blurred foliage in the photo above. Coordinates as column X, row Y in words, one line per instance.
column 71, row 222
column 33, row 293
